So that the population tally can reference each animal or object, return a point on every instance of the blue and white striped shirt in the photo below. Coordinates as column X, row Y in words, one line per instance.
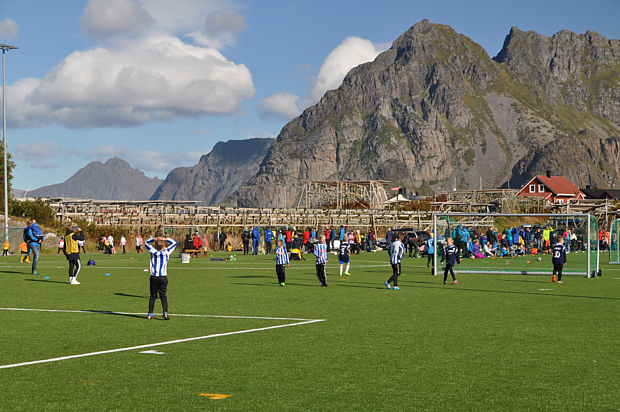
column 281, row 256
column 159, row 258
column 397, row 251
column 320, row 251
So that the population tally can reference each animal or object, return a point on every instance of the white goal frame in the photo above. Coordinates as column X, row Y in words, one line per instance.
column 590, row 270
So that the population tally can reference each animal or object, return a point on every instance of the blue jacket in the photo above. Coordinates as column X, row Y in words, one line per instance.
column 430, row 246
column 341, row 234
column 256, row 233
column 33, row 231
column 515, row 235
column 268, row 235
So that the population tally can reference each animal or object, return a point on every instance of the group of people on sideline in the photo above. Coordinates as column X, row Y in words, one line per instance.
column 478, row 243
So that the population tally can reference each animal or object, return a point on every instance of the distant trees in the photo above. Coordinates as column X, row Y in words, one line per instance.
column 10, row 167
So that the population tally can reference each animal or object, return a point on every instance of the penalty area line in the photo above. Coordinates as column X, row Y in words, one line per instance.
column 105, row 312
column 152, row 345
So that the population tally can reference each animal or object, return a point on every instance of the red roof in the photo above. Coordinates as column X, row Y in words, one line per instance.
column 559, row 185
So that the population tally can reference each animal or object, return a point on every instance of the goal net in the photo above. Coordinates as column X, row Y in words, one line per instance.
column 518, row 243
column 614, row 249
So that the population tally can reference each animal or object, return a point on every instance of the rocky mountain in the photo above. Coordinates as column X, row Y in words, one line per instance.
column 218, row 174
column 436, row 107
column 112, row 180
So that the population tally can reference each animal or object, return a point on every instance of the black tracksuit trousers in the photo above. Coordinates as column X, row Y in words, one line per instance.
column 281, row 274
column 395, row 273
column 159, row 284
column 320, row 273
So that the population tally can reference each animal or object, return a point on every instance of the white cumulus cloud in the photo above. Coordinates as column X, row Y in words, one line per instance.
column 103, row 19
column 184, row 16
column 221, row 28
column 352, row 52
column 151, row 78
column 8, row 29
column 280, row 106
column 34, row 151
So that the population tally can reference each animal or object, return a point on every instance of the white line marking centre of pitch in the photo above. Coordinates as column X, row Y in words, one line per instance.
column 152, row 345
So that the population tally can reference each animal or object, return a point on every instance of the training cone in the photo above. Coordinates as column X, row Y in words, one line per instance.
column 527, row 261
column 107, row 274
column 131, row 258
column 47, row 277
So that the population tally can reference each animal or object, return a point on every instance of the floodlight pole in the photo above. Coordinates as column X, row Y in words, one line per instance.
column 4, row 48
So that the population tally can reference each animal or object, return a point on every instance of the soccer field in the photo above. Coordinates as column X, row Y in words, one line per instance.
column 491, row 342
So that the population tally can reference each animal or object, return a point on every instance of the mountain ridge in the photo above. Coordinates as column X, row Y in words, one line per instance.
column 219, row 173
column 113, row 180
column 436, row 107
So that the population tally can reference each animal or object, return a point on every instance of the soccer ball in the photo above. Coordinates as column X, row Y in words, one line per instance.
column 335, row 253
column 539, row 259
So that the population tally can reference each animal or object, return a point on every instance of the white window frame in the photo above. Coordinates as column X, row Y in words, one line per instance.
column 532, row 188
column 541, row 188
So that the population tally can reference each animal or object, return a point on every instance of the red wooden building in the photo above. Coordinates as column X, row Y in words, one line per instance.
column 556, row 189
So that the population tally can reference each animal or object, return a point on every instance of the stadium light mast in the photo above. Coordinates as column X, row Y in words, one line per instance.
column 4, row 48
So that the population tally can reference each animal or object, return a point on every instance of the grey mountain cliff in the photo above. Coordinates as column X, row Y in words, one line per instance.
column 218, row 174
column 436, row 107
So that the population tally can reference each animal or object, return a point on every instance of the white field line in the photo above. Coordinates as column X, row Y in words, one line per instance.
column 151, row 345
column 171, row 314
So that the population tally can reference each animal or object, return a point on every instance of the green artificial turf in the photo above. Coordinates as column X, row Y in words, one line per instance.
column 491, row 342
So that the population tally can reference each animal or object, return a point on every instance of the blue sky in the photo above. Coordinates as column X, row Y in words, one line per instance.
column 159, row 82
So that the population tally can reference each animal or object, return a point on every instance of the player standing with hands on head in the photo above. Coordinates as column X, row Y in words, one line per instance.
column 451, row 256
column 396, row 252
column 158, row 268
column 320, row 251
column 559, row 259
column 281, row 260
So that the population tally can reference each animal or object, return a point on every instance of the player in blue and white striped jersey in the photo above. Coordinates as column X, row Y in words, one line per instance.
column 158, row 268
column 281, row 260
column 396, row 252
column 320, row 251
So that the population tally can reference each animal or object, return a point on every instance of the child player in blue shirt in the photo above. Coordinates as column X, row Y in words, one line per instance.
column 281, row 260
column 158, row 268
column 451, row 256
column 343, row 257
column 559, row 259
column 396, row 251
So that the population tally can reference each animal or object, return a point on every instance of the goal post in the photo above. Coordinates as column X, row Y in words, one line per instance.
column 519, row 243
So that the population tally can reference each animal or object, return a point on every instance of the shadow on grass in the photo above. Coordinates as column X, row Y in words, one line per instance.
column 46, row 281
column 131, row 296
column 459, row 288
column 348, row 285
column 524, row 281
column 250, row 276
column 105, row 312
column 276, row 284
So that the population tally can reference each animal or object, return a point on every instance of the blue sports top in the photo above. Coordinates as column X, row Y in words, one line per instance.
column 159, row 258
